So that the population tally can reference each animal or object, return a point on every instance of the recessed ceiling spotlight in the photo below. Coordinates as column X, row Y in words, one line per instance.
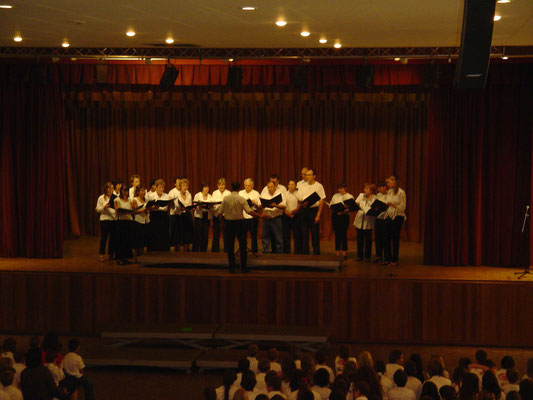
column 130, row 33
column 169, row 40
column 6, row 6
column 505, row 58
column 497, row 18
column 281, row 22
column 17, row 38
column 396, row 58
column 65, row 44
column 231, row 59
column 504, row 1
column 248, row 8
column 337, row 45
column 323, row 40
column 305, row 33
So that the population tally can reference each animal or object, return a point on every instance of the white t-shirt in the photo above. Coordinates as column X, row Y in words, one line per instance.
column 327, row 368
column 510, row 387
column 401, row 393
column 198, row 211
column 399, row 200
column 173, row 193
column 4, row 395
column 274, row 211
column 307, row 190
column 217, row 196
column 274, row 393
column 126, row 205
column 291, row 200
column 386, row 383
column 339, row 198
column 414, row 384
column 253, row 364
column 142, row 218
column 13, row 392
column 363, row 221
column 260, row 385
column 73, row 364
column 294, row 395
column 440, row 381
column 253, row 196
column 324, row 392
column 106, row 214
column 390, row 369
column 275, row 366
column 56, row 371
column 299, row 184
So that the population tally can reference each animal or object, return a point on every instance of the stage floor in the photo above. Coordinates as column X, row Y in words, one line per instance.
column 80, row 256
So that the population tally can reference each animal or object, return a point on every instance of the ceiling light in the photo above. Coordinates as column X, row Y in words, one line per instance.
column 17, row 38
column 231, row 59
column 248, row 8
column 505, row 58
column 281, row 22
column 497, row 17
column 323, row 40
column 130, row 33
column 504, row 1
column 65, row 43
column 169, row 40
column 396, row 58
column 337, row 45
column 5, row 6
column 305, row 33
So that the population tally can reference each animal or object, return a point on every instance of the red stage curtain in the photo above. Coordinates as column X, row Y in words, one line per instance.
column 355, row 137
column 479, row 174
column 33, row 171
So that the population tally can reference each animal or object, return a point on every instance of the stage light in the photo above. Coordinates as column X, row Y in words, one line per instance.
column 396, row 58
column 65, row 44
column 5, row 6
column 497, row 18
column 504, row 1
column 231, row 59
column 17, row 38
column 505, row 58
column 248, row 8
column 169, row 40
column 130, row 33
column 337, row 45
column 323, row 40
column 281, row 22
column 305, row 33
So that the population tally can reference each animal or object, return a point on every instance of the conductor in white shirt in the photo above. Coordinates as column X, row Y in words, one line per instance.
column 232, row 208
column 311, row 213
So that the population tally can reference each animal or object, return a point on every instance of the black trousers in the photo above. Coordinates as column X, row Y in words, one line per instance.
column 124, row 236
column 175, row 230
column 186, row 227
column 159, row 231
column 392, row 238
column 236, row 228
column 379, row 236
column 292, row 225
column 251, row 226
column 308, row 225
column 218, row 226
column 106, row 228
column 364, row 243
column 201, row 234
column 340, row 225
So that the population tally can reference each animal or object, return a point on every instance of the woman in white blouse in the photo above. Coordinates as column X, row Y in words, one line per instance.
column 107, row 220
column 141, row 219
column 396, row 200
column 202, row 218
column 185, row 224
column 124, row 226
column 365, row 223
column 340, row 220
column 159, row 220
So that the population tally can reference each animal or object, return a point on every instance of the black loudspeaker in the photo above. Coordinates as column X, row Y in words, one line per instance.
column 101, row 74
column 37, row 75
column 476, row 40
column 169, row 76
column 300, row 77
column 431, row 76
column 364, row 75
column 234, row 78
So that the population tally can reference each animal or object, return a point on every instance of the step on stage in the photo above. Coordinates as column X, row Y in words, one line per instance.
column 361, row 302
column 255, row 261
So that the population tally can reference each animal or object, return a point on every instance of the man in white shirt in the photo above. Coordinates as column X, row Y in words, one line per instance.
column 512, row 378
column 272, row 225
column 413, row 382
column 218, row 219
column 273, row 385
column 311, row 213
column 251, row 221
column 7, row 377
column 73, row 366
column 290, row 220
column 400, row 392
column 395, row 363
column 304, row 178
column 436, row 372
column 264, row 367
column 321, row 360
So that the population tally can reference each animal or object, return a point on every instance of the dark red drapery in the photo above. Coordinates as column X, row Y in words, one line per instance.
column 33, row 171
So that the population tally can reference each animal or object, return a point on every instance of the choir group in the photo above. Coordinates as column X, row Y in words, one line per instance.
column 132, row 218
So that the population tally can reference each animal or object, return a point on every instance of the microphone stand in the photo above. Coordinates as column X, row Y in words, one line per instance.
column 526, row 267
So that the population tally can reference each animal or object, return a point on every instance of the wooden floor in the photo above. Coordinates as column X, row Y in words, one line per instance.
column 363, row 303
column 80, row 257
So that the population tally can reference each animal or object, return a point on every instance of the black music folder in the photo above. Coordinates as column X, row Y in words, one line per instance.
column 352, row 205
column 269, row 202
column 112, row 200
column 377, row 208
column 206, row 204
column 311, row 199
column 124, row 211
column 157, row 203
column 184, row 207
column 337, row 207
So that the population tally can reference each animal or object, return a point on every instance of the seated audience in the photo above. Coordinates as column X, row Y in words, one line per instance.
column 395, row 363
column 507, row 362
column 248, row 383
column 489, row 383
column 7, row 377
column 321, row 383
column 413, row 382
column 273, row 385
column 436, row 374
column 386, row 383
column 273, row 355
column 512, row 381
column 253, row 349
column 263, row 367
column 526, row 389
column 469, row 386
column 36, row 380
column 448, row 393
column 242, row 366
column 400, row 392
column 429, row 391
column 345, row 355
column 224, row 392
column 73, row 366
column 321, row 363
column 361, row 390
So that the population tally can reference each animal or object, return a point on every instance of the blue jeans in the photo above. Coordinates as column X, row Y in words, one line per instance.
column 272, row 233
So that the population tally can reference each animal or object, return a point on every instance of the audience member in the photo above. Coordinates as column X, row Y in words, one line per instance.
column 9, row 347
column 436, row 374
column 386, row 383
column 321, row 383
column 273, row 355
column 73, row 366
column 469, row 386
column 417, row 359
column 396, row 359
column 345, row 355
column 507, row 362
column 19, row 366
column 321, row 363
column 263, row 367
column 448, row 392
column 243, row 365
column 253, row 349
column 400, row 392
column 224, row 392
column 413, row 382
column 7, row 377
column 526, row 389
column 210, row 394
column 361, row 390
column 248, row 383
column 429, row 391
column 513, row 395
column 37, row 381
column 489, row 383
column 273, row 385
column 512, row 381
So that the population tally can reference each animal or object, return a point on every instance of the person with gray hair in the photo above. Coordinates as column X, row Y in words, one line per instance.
column 251, row 221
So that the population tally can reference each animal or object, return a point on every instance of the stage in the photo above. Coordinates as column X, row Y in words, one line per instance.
column 361, row 302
